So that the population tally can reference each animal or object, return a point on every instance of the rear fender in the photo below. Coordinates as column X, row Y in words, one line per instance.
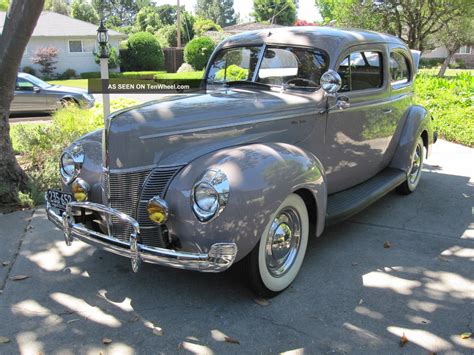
column 261, row 176
column 417, row 121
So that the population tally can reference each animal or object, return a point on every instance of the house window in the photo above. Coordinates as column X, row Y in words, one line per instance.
column 361, row 70
column 81, row 46
column 464, row 50
column 75, row 46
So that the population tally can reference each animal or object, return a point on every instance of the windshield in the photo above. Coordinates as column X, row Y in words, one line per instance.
column 37, row 82
column 234, row 64
column 288, row 67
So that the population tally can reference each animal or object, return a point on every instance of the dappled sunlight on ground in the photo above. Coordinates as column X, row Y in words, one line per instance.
column 352, row 294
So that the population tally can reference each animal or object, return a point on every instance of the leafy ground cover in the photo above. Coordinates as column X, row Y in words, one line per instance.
column 39, row 146
column 451, row 102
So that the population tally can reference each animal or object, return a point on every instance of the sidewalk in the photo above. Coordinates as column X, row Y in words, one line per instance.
column 352, row 294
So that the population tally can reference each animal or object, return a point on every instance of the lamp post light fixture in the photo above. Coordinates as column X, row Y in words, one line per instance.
column 103, row 40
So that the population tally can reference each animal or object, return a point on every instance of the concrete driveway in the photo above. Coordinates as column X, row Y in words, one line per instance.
column 352, row 294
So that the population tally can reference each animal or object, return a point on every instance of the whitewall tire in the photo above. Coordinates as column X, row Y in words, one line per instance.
column 277, row 258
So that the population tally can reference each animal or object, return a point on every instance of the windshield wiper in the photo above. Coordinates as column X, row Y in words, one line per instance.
column 247, row 83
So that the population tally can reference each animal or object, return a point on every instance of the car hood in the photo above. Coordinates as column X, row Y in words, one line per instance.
column 175, row 130
column 66, row 90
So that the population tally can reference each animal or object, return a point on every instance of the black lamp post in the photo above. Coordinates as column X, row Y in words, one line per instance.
column 103, row 39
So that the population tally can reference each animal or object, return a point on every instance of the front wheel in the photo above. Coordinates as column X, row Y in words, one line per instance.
column 275, row 261
column 417, row 159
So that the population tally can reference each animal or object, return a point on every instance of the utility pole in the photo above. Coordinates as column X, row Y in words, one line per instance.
column 178, row 25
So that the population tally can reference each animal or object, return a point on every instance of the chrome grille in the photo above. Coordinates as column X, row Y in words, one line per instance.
column 125, row 190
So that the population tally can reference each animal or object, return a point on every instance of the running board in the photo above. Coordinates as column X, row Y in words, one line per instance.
column 347, row 203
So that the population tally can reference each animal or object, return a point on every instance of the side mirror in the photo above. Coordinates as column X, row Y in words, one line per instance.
column 36, row 89
column 331, row 81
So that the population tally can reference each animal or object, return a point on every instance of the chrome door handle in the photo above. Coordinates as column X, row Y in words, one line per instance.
column 387, row 110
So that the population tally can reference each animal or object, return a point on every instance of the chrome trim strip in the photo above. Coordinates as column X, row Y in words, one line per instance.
column 228, row 125
column 219, row 258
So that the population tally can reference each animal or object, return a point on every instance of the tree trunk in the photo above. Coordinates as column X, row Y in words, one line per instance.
column 19, row 25
column 446, row 62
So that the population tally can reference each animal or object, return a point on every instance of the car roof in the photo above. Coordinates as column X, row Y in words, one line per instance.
column 329, row 39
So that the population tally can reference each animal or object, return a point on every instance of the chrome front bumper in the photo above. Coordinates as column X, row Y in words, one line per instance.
column 220, row 256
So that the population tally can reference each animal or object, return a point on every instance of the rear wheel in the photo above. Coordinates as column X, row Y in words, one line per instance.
column 417, row 159
column 276, row 260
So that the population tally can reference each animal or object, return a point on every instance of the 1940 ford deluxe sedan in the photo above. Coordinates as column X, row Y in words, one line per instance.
column 299, row 128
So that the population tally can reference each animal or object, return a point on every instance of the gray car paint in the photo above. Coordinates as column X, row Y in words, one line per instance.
column 47, row 99
column 283, row 131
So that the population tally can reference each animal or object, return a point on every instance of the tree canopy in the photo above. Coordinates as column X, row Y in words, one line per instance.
column 414, row 21
column 119, row 13
column 82, row 10
column 282, row 12
column 59, row 6
column 219, row 11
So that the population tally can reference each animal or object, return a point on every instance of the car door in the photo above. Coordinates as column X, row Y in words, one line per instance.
column 357, row 137
column 401, row 75
column 27, row 97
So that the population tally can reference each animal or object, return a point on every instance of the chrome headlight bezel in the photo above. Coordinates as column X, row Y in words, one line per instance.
column 217, row 182
column 88, row 97
column 76, row 154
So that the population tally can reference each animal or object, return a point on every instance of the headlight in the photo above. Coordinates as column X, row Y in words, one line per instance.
column 88, row 97
column 71, row 163
column 210, row 195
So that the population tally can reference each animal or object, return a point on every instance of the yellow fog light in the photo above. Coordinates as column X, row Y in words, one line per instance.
column 80, row 190
column 157, row 209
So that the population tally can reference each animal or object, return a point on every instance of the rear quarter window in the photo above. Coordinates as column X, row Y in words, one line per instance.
column 399, row 68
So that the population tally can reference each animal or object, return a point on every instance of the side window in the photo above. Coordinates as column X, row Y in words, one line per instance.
column 399, row 71
column 361, row 70
column 297, row 68
column 23, row 85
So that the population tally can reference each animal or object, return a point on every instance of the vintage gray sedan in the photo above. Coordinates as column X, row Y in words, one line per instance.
column 35, row 95
column 299, row 128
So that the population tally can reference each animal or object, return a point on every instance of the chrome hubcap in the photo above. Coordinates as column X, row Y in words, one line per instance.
column 416, row 165
column 283, row 242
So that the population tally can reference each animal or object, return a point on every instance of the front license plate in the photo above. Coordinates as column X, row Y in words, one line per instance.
column 59, row 199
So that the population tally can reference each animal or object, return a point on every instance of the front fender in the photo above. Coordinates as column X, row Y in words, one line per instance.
column 261, row 176
column 417, row 121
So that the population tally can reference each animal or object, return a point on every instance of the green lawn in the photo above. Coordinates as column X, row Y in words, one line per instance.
column 77, row 83
column 449, row 72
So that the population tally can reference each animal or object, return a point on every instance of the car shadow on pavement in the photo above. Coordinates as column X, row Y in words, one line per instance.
column 352, row 294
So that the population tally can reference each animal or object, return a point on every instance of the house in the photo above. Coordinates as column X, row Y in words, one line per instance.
column 75, row 40
column 227, row 31
column 465, row 55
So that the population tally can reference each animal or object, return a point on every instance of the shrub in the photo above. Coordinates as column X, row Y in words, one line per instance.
column 198, row 51
column 233, row 72
column 203, row 25
column 41, row 145
column 68, row 74
column 429, row 63
column 113, row 61
column 29, row 70
column 141, row 51
column 186, row 68
column 46, row 58
column 90, row 75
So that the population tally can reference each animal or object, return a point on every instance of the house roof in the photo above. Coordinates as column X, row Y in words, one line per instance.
column 52, row 24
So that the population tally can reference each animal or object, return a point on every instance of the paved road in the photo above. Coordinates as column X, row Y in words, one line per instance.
column 352, row 294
